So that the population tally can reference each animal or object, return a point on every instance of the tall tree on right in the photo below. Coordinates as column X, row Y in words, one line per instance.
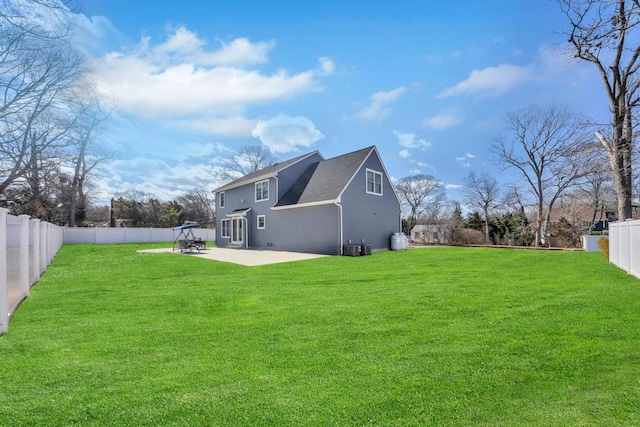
column 550, row 150
column 605, row 33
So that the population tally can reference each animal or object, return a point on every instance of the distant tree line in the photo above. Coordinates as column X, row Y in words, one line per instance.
column 562, row 186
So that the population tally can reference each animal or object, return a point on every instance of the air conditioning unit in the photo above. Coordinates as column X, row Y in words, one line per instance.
column 351, row 250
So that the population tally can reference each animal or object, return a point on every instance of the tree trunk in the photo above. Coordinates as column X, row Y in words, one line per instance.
column 620, row 160
column 75, row 186
column 486, row 226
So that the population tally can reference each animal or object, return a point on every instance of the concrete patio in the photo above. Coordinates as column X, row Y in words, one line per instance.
column 249, row 258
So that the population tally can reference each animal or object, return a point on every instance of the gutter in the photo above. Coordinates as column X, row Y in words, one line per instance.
column 305, row 205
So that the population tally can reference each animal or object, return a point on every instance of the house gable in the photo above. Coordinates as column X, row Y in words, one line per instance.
column 265, row 173
column 368, row 216
column 324, row 182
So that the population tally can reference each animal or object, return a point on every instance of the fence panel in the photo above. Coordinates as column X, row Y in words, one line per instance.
column 634, row 248
column 624, row 246
column 614, row 243
column 110, row 235
column 100, row 235
column 26, row 248
column 136, row 235
column 14, row 290
column 162, row 235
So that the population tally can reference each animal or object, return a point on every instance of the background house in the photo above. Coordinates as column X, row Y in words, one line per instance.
column 310, row 204
column 432, row 234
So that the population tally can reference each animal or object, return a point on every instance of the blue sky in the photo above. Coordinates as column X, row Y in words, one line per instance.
column 428, row 82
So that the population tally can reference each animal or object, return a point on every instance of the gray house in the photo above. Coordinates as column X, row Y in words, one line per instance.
column 310, row 204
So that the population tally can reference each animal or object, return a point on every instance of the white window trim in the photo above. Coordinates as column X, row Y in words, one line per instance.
column 255, row 188
column 228, row 236
column 264, row 222
column 366, row 182
column 222, row 199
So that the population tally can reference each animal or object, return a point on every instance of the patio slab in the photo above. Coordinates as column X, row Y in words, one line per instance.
column 246, row 257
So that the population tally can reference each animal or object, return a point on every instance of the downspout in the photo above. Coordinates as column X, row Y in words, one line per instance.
column 337, row 203
column 246, row 232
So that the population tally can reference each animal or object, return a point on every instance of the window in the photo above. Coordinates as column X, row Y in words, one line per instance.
column 374, row 182
column 222, row 199
column 262, row 190
column 262, row 222
column 225, row 228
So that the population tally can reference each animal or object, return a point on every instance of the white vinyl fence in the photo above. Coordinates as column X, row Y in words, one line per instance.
column 624, row 246
column 27, row 247
column 130, row 235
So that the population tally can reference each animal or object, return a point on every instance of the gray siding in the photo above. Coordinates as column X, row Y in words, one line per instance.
column 314, row 229
column 242, row 198
column 368, row 216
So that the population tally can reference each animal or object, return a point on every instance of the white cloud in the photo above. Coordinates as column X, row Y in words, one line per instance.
column 225, row 126
column 240, row 52
column 443, row 120
column 179, row 76
column 452, row 186
column 494, row 81
column 490, row 81
column 404, row 154
column 378, row 108
column 411, row 140
column 162, row 179
column 465, row 161
column 284, row 134
column 326, row 66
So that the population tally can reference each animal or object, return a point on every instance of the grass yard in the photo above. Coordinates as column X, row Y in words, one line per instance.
column 443, row 336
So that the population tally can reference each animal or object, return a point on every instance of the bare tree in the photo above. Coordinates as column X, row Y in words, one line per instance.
column 248, row 160
column 199, row 206
column 597, row 191
column 420, row 194
column 605, row 33
column 546, row 148
column 37, row 66
column 89, row 117
column 482, row 191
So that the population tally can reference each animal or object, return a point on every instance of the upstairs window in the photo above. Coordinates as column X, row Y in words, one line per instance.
column 262, row 190
column 222, row 199
column 374, row 182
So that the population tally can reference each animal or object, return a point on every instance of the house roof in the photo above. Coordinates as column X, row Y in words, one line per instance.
column 325, row 180
column 264, row 173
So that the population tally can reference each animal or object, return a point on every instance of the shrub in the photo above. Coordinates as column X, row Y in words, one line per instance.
column 603, row 242
column 466, row 236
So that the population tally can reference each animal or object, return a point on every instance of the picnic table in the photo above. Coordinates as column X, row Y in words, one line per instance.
column 186, row 240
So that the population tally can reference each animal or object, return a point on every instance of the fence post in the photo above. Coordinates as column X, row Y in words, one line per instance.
column 35, row 255
column 24, row 253
column 42, row 231
column 4, row 302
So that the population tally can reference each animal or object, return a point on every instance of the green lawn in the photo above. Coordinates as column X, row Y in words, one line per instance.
column 442, row 336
